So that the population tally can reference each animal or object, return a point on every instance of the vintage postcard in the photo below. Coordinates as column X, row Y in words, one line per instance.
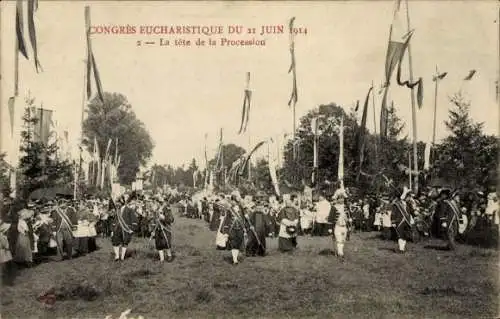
column 222, row 159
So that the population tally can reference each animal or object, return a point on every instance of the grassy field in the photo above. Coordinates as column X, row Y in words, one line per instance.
column 374, row 282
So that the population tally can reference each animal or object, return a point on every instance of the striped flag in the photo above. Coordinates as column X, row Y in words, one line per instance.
column 91, row 63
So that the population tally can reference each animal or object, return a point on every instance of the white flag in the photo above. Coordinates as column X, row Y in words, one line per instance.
column 427, row 160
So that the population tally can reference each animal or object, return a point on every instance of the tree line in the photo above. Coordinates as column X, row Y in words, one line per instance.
column 467, row 157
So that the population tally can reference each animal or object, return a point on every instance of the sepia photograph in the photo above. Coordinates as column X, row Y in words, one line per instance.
column 249, row 159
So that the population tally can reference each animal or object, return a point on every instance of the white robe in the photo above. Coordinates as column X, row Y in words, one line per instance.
column 323, row 209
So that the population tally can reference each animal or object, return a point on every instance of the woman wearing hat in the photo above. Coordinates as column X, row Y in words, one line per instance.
column 5, row 254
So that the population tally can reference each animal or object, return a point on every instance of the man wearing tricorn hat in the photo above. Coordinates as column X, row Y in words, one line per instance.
column 341, row 221
column 125, row 224
column 163, row 231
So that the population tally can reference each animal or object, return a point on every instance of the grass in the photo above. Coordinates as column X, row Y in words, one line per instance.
column 374, row 282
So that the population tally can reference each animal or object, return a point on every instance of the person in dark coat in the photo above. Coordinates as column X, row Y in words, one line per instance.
column 163, row 231
column 124, row 225
column 64, row 223
column 256, row 245
column 216, row 216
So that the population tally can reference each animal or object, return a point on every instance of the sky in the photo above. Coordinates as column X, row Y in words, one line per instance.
column 183, row 93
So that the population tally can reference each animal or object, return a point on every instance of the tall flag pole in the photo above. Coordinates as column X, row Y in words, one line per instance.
column 360, row 138
column 413, row 108
column 272, row 169
column 314, row 129
column 340, row 172
column 91, row 63
column 375, row 127
column 206, row 163
column 20, row 47
column 436, row 79
column 409, row 169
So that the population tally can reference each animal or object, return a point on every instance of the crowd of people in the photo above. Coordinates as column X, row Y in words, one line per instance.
column 62, row 226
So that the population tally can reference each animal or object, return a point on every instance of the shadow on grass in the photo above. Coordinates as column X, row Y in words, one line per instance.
column 437, row 247
column 326, row 252
column 83, row 291
column 441, row 291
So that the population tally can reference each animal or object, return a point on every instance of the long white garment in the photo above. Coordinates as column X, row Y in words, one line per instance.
column 22, row 227
column 284, row 224
column 366, row 211
column 342, row 215
column 306, row 219
column 323, row 211
column 386, row 219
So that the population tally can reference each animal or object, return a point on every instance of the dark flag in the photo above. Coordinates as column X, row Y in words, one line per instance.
column 21, row 45
column 398, row 43
column 357, row 106
column 91, row 63
column 32, row 7
column 439, row 76
column 360, row 139
column 244, row 165
column 470, row 75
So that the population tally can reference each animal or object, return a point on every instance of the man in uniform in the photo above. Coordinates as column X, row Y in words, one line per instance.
column 259, row 229
column 340, row 222
column 163, row 231
column 64, row 222
column 125, row 223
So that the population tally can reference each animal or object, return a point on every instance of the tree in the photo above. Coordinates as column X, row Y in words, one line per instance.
column 39, row 163
column 4, row 176
column 466, row 158
column 262, row 176
column 230, row 153
column 300, row 169
column 115, row 120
